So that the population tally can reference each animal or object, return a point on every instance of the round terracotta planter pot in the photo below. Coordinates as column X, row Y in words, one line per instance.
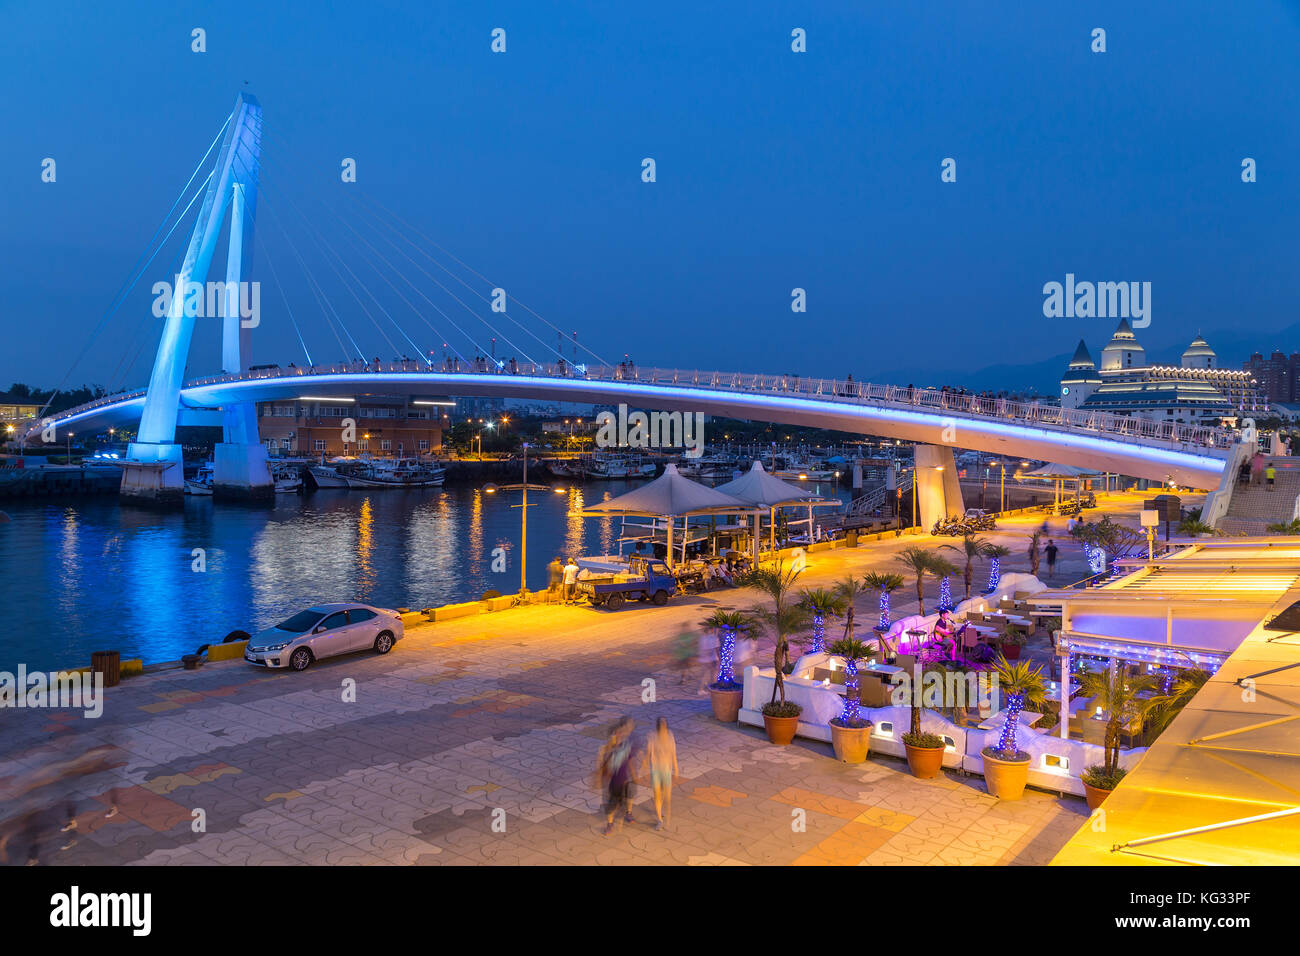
column 726, row 703
column 924, row 762
column 1010, row 651
column 1095, row 796
column 851, row 744
column 780, row 730
column 1005, row 779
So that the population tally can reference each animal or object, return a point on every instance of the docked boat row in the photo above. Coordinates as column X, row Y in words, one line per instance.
column 286, row 475
column 378, row 473
column 603, row 467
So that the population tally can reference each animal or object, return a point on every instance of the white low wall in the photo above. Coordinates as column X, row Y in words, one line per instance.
column 1055, row 763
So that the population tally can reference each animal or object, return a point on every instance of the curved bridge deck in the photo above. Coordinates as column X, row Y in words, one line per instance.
column 1188, row 455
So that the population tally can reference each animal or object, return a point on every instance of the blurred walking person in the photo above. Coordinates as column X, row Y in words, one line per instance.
column 554, row 579
column 614, row 772
column 707, row 660
column 661, row 755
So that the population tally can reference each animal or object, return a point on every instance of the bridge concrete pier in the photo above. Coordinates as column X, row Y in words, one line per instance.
column 240, row 472
column 938, row 490
column 153, row 473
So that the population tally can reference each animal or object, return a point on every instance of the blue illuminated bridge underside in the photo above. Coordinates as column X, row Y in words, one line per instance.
column 1190, row 456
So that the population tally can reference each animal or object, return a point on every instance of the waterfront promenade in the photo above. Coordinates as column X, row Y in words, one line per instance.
column 474, row 742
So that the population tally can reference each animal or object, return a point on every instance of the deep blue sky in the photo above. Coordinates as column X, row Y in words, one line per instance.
column 775, row 170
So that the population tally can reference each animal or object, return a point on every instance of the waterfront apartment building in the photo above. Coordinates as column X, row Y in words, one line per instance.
column 1276, row 375
column 1196, row 391
column 395, row 427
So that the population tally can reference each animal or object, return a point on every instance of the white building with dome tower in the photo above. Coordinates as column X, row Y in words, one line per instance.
column 1196, row 391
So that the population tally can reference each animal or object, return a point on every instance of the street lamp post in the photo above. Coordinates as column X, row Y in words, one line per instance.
column 491, row 488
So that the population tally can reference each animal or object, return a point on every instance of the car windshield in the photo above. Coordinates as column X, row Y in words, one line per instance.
column 301, row 622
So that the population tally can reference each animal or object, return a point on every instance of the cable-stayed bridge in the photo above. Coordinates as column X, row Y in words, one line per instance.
column 442, row 304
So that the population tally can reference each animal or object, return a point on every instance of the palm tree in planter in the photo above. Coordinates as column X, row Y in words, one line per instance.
column 1125, row 699
column 1006, row 766
column 883, row 583
column 973, row 547
column 822, row 603
column 920, row 562
column 1035, row 553
column 784, row 617
column 726, row 692
column 924, row 750
column 850, row 734
column 995, row 553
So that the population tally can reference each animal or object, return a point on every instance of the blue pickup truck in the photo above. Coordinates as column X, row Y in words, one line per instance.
column 648, row 580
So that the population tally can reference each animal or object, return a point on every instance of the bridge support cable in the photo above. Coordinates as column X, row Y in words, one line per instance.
column 439, row 333
column 555, row 328
column 122, row 372
column 417, row 289
column 435, row 281
column 327, row 250
column 275, row 278
column 322, row 300
column 138, row 270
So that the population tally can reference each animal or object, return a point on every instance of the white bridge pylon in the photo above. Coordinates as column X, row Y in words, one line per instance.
column 154, row 468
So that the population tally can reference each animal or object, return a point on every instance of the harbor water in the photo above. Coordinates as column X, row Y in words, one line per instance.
column 87, row 574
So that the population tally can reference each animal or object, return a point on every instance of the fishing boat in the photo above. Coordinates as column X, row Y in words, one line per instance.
column 379, row 473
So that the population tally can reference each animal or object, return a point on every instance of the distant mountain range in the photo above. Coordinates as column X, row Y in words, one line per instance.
column 1232, row 345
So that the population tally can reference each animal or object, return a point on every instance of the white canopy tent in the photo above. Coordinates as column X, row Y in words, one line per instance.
column 1058, row 474
column 670, row 496
column 759, row 489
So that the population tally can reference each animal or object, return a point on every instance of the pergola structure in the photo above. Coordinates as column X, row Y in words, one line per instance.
column 1221, row 784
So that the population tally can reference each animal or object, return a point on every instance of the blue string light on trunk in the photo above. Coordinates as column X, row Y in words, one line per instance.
column 945, row 594
column 726, row 655
column 818, row 632
column 1007, row 742
column 851, row 691
column 995, row 573
column 884, row 610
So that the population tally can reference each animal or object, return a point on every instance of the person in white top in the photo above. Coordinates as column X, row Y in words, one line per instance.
column 570, row 581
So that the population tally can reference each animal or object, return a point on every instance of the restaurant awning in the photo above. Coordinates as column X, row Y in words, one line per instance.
column 671, row 495
column 760, row 490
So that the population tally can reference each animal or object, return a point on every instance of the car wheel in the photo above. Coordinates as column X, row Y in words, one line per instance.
column 384, row 642
column 614, row 602
column 300, row 659
column 660, row 598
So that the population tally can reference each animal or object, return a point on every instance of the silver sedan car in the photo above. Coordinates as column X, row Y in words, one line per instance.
column 325, row 631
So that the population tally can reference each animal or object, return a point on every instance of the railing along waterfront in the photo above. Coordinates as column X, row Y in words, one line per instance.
column 846, row 391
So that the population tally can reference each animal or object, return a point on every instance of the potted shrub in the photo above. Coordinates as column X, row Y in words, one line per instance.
column 1120, row 696
column 924, row 750
column 1006, row 766
column 725, row 692
column 1010, row 643
column 850, row 733
column 780, row 717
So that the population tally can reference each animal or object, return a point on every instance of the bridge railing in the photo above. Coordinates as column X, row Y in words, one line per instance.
column 846, row 390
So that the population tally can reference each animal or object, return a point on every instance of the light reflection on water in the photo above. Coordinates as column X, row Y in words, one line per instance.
column 91, row 575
